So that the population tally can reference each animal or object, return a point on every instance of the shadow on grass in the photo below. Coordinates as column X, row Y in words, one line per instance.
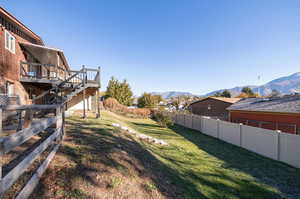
column 96, row 145
column 284, row 177
column 209, row 176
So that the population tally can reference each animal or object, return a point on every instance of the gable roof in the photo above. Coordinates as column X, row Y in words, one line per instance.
column 45, row 54
column 223, row 99
column 20, row 24
column 286, row 104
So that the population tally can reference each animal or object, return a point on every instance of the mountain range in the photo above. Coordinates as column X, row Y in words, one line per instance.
column 285, row 85
column 170, row 94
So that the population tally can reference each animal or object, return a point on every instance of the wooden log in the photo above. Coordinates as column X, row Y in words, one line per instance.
column 16, row 139
column 17, row 171
column 33, row 182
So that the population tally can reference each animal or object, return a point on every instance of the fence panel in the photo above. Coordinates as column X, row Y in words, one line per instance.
column 278, row 146
column 180, row 118
column 289, row 148
column 196, row 122
column 210, row 126
column 261, row 141
column 188, row 121
column 230, row 132
column 36, row 121
column 173, row 117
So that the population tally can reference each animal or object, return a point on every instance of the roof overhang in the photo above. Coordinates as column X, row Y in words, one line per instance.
column 45, row 55
column 21, row 25
column 218, row 99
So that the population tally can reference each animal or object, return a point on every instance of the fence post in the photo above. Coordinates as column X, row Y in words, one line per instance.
column 19, row 128
column 241, row 135
column 59, row 122
column 201, row 123
column 218, row 128
column 192, row 118
column 278, row 144
column 1, row 134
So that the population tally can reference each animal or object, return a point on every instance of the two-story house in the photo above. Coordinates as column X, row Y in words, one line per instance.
column 31, row 72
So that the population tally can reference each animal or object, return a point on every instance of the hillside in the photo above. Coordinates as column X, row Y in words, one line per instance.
column 285, row 85
column 170, row 94
column 98, row 160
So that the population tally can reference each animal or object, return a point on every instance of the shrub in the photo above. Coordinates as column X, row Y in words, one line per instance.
column 114, row 106
column 148, row 100
column 162, row 119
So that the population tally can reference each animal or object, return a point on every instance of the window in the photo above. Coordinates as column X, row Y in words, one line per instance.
column 10, row 42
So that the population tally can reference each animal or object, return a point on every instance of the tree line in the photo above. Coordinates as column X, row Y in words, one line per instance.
column 121, row 91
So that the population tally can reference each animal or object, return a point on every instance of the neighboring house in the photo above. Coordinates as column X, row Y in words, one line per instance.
column 35, row 73
column 280, row 113
column 213, row 107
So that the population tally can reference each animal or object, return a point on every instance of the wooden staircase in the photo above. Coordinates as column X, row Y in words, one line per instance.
column 39, row 129
column 85, row 82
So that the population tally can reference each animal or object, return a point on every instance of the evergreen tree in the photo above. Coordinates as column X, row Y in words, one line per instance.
column 147, row 101
column 248, row 91
column 226, row 93
column 121, row 91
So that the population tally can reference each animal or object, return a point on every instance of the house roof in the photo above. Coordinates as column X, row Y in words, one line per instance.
column 286, row 104
column 224, row 99
column 44, row 54
column 20, row 24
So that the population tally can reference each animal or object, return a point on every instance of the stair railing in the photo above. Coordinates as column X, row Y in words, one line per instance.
column 76, row 79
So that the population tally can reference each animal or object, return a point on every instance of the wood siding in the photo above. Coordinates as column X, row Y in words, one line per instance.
column 10, row 67
column 217, row 108
column 289, row 123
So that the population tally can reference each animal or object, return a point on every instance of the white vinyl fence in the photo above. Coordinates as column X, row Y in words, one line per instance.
column 272, row 144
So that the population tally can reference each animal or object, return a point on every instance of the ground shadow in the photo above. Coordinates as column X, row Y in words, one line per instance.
column 284, row 177
column 97, row 146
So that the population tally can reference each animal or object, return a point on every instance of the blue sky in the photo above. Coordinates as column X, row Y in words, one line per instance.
column 193, row 45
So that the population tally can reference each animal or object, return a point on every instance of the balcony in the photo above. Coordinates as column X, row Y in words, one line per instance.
column 52, row 74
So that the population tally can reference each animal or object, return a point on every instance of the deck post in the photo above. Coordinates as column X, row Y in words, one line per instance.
column 98, row 95
column 97, row 104
column 87, row 103
column 83, row 95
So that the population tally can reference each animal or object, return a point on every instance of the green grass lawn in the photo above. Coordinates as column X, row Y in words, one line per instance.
column 97, row 160
column 204, row 167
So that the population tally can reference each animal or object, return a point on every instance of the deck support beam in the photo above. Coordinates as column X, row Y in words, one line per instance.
column 97, row 104
column 83, row 95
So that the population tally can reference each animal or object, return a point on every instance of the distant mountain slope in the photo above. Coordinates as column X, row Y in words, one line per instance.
column 285, row 85
column 170, row 94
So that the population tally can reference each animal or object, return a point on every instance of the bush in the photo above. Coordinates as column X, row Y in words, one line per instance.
column 162, row 119
column 114, row 106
